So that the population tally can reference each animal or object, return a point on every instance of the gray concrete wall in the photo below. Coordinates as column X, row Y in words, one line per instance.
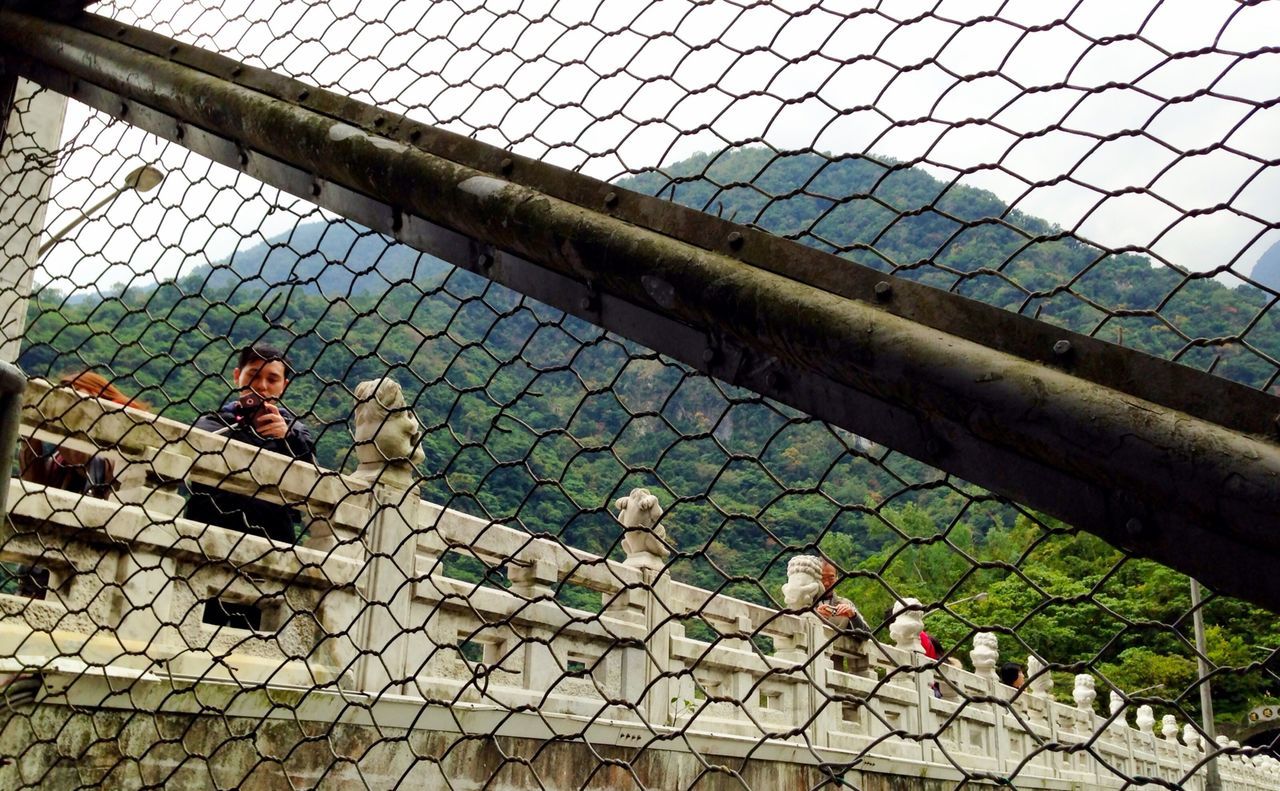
column 52, row 747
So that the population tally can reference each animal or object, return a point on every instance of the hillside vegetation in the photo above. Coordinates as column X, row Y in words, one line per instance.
column 543, row 420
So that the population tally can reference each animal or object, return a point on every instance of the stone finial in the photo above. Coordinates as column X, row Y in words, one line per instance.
column 985, row 655
column 907, row 625
column 1116, row 704
column 1223, row 743
column 1146, row 719
column 1190, row 736
column 804, row 582
column 1084, row 692
column 644, row 536
column 1169, row 727
column 1040, row 680
column 387, row 433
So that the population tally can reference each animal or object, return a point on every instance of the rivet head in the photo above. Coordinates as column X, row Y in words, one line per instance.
column 708, row 355
column 1134, row 527
column 586, row 304
column 507, row 165
column 611, row 200
column 304, row 95
column 735, row 240
column 883, row 290
column 484, row 260
column 1062, row 347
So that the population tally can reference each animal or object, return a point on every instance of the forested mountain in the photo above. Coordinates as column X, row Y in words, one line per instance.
column 331, row 259
column 542, row 420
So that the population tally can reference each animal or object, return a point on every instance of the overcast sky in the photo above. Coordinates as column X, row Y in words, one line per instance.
column 1014, row 89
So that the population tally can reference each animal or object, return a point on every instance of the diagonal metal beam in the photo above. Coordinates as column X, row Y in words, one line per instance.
column 1152, row 456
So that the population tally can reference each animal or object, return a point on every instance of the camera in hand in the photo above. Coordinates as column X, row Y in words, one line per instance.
column 248, row 407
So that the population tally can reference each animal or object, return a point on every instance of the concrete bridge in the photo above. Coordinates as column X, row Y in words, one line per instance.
column 354, row 660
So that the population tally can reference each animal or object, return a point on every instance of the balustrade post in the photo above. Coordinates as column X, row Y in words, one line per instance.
column 810, row 648
column 150, row 480
column 387, row 436
column 641, row 664
column 905, row 629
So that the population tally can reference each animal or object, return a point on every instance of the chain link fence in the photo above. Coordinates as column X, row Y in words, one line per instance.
column 299, row 506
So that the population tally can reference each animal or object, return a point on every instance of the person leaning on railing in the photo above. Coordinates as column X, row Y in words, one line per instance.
column 258, row 418
column 72, row 470
column 835, row 609
column 64, row 468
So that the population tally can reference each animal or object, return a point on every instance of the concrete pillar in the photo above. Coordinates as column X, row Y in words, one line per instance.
column 28, row 156
column 390, row 543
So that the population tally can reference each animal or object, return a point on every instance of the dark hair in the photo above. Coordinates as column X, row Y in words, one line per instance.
column 265, row 352
column 1009, row 673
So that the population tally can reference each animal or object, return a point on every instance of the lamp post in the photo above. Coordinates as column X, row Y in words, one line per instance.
column 143, row 179
column 1212, row 781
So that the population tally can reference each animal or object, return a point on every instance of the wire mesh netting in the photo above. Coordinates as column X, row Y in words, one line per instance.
column 299, row 506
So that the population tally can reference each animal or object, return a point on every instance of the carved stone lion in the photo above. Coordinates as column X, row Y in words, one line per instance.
column 386, row 429
column 804, row 582
column 1085, row 691
column 985, row 655
column 643, row 539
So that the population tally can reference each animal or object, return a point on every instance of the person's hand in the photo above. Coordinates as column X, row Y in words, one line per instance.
column 845, row 610
column 270, row 423
column 825, row 610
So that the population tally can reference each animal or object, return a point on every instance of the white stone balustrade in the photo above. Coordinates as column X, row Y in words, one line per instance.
column 367, row 607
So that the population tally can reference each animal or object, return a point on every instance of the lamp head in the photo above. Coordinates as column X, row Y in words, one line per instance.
column 144, row 179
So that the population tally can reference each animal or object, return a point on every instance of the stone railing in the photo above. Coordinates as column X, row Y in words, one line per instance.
column 364, row 607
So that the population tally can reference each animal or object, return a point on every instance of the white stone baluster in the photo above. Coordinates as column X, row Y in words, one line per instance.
column 1223, row 744
column 644, row 537
column 1191, row 737
column 985, row 655
column 1146, row 719
column 1169, row 728
column 804, row 582
column 908, row 623
column 1116, row 704
column 1038, row 679
column 1085, row 692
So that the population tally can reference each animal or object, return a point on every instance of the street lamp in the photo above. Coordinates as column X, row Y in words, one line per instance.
column 975, row 597
column 1212, row 780
column 143, row 179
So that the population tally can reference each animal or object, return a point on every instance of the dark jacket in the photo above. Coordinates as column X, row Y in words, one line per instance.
column 235, row 511
column 48, row 465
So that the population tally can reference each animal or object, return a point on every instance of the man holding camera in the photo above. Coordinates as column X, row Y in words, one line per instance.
column 258, row 418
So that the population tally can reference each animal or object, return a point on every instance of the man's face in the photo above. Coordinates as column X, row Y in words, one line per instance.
column 828, row 575
column 267, row 379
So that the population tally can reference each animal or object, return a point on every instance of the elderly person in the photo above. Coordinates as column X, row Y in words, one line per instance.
column 834, row 609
